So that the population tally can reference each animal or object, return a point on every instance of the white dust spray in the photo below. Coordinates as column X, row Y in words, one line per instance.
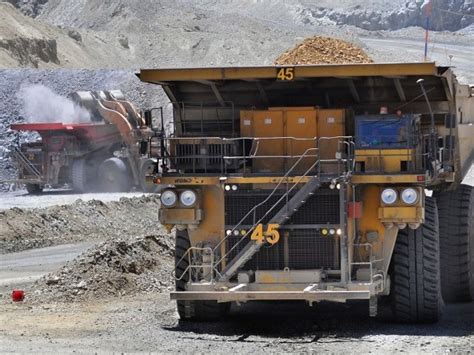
column 42, row 105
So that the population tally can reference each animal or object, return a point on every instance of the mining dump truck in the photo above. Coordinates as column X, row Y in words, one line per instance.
column 111, row 153
column 309, row 183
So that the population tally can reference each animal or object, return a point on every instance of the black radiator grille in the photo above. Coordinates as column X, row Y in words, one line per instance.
column 307, row 249
column 321, row 208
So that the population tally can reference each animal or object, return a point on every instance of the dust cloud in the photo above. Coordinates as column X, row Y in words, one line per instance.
column 40, row 104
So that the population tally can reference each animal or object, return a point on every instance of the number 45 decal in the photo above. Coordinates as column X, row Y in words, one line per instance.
column 287, row 74
column 271, row 235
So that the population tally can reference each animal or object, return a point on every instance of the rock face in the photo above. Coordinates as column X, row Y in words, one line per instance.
column 30, row 51
column 29, row 7
column 323, row 50
column 447, row 15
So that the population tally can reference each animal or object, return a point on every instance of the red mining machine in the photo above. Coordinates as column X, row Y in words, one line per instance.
column 111, row 153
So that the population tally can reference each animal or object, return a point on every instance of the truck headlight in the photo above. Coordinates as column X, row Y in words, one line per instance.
column 168, row 198
column 188, row 198
column 389, row 196
column 409, row 196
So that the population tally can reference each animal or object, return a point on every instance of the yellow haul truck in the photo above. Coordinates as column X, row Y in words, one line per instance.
column 308, row 183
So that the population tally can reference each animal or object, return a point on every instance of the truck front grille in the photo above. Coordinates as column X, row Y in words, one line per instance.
column 306, row 249
column 321, row 208
column 304, row 245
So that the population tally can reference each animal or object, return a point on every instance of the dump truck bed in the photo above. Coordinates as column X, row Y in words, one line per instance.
column 361, row 88
column 95, row 134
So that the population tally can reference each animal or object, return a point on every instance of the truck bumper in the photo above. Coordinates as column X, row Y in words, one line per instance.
column 254, row 292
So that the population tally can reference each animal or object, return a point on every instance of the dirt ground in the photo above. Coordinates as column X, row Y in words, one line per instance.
column 53, row 318
column 150, row 323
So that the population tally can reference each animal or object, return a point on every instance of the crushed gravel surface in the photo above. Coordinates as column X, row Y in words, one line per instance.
column 149, row 323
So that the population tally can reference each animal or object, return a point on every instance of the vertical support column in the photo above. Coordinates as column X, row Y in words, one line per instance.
column 344, row 236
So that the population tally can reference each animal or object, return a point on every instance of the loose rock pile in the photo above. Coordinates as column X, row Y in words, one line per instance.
column 119, row 267
column 323, row 50
column 23, row 229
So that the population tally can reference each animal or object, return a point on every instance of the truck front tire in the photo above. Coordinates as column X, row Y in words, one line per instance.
column 114, row 175
column 34, row 189
column 415, row 271
column 193, row 310
column 456, row 233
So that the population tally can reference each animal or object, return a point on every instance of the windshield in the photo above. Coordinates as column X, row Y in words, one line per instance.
column 382, row 132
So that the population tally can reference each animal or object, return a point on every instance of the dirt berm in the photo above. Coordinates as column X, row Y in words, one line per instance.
column 114, row 268
column 22, row 229
column 323, row 50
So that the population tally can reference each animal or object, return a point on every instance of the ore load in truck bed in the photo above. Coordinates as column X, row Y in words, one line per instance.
column 323, row 50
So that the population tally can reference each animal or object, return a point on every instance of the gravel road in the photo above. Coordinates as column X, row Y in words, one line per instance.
column 22, row 199
column 18, row 270
column 150, row 324
column 457, row 55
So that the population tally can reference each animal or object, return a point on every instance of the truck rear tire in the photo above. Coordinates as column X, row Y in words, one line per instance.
column 193, row 310
column 114, row 176
column 456, row 233
column 79, row 175
column 415, row 268
column 34, row 189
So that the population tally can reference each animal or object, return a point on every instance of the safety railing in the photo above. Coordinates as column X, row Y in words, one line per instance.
column 255, row 155
column 195, row 266
column 375, row 274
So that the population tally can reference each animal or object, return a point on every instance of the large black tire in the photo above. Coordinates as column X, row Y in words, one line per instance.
column 114, row 176
column 34, row 189
column 79, row 175
column 193, row 310
column 415, row 286
column 456, row 233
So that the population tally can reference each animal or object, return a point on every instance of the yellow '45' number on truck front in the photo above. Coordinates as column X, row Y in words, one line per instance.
column 286, row 74
column 272, row 235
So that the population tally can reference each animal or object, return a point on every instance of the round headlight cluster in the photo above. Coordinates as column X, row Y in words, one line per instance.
column 389, row 196
column 168, row 198
column 187, row 198
column 409, row 196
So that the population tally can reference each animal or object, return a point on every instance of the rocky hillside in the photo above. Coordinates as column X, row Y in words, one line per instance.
column 447, row 15
column 145, row 33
